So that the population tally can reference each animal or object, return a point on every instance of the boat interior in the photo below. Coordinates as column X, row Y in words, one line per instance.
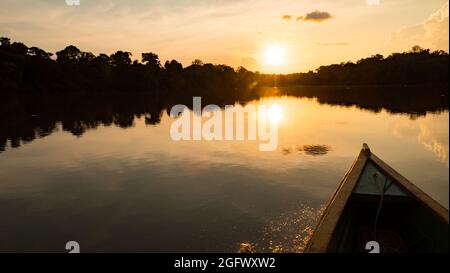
column 380, row 210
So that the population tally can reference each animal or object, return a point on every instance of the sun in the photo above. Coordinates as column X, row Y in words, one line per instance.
column 274, row 55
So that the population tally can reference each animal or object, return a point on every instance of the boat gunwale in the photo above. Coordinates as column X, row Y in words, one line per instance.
column 323, row 233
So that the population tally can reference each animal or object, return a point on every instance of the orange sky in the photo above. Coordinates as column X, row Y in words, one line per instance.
column 274, row 36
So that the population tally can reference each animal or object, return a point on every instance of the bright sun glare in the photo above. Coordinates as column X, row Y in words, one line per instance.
column 275, row 113
column 274, row 55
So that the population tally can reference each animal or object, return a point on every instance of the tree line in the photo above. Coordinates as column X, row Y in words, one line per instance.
column 34, row 70
column 416, row 66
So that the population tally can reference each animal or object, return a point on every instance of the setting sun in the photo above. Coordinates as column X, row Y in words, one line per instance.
column 274, row 55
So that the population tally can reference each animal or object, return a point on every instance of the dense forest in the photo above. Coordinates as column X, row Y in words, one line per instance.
column 33, row 70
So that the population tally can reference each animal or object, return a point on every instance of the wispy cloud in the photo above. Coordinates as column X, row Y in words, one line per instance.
column 373, row 2
column 334, row 44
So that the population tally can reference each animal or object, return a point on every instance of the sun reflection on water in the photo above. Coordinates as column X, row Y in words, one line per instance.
column 276, row 113
column 289, row 232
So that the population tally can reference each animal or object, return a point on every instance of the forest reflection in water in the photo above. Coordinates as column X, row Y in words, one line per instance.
column 127, row 179
column 26, row 117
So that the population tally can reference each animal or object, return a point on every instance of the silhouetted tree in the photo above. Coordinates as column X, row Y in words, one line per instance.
column 173, row 66
column 4, row 41
column 419, row 49
column 151, row 60
column 102, row 59
column 39, row 53
column 197, row 62
column 70, row 54
column 19, row 48
column 86, row 57
column 121, row 58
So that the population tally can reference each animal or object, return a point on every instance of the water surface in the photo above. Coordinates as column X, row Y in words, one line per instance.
column 125, row 185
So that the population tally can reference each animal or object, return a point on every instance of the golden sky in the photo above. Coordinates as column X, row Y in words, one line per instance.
column 274, row 36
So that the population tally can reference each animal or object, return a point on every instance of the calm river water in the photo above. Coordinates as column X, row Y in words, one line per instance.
column 132, row 188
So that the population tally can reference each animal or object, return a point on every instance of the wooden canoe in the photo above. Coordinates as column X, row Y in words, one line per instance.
column 374, row 202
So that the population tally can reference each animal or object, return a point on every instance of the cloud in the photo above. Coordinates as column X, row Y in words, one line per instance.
column 286, row 17
column 315, row 16
column 432, row 33
column 373, row 2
